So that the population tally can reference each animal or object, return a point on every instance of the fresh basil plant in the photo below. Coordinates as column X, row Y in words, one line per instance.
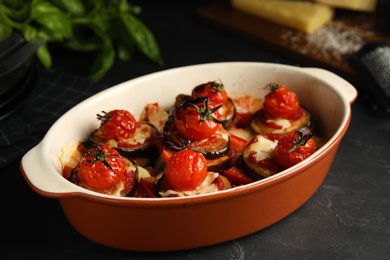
column 108, row 27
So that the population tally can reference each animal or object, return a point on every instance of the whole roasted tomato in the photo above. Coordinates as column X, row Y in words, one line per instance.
column 197, row 119
column 186, row 170
column 294, row 148
column 118, row 123
column 101, row 168
column 214, row 90
column 281, row 103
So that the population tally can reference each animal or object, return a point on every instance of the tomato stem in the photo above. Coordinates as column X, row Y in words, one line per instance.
column 180, row 145
column 104, row 118
column 217, row 86
column 205, row 112
column 100, row 156
column 272, row 86
column 299, row 139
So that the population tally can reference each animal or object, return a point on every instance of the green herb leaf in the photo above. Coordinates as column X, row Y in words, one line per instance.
column 105, row 58
column 30, row 34
column 52, row 19
column 109, row 27
column 144, row 39
column 73, row 7
column 5, row 30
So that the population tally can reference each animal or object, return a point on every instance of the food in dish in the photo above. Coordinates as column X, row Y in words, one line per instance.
column 281, row 112
column 207, row 142
column 103, row 169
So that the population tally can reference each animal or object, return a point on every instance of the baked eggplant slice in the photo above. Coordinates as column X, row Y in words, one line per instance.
column 140, row 147
column 227, row 112
column 213, row 147
column 258, row 160
column 263, row 125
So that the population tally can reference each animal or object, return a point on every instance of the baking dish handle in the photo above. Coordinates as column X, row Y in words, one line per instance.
column 342, row 86
column 37, row 172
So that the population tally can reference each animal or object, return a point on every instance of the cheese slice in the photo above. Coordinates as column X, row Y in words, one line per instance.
column 302, row 15
column 357, row 5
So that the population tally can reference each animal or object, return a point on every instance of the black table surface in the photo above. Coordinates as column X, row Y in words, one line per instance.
column 347, row 218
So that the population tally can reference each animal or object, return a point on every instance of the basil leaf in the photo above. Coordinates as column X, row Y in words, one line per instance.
column 19, row 14
column 44, row 56
column 125, row 53
column 73, row 7
column 5, row 25
column 102, row 18
column 30, row 33
column 109, row 28
column 105, row 58
column 143, row 37
column 84, row 46
column 51, row 18
column 5, row 31
column 16, row 3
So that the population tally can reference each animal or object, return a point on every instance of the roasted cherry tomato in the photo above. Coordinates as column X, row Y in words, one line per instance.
column 214, row 90
column 294, row 148
column 281, row 103
column 186, row 170
column 116, row 124
column 197, row 119
column 101, row 168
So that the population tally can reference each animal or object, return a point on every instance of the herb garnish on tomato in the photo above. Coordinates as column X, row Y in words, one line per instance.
column 118, row 123
column 197, row 119
column 214, row 90
column 101, row 168
column 294, row 148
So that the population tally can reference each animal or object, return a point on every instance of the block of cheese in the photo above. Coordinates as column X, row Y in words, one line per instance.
column 302, row 15
column 357, row 5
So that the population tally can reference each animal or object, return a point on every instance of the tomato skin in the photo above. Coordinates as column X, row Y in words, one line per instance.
column 288, row 158
column 281, row 103
column 189, row 124
column 96, row 174
column 146, row 188
column 167, row 153
column 246, row 107
column 186, row 170
column 237, row 176
column 238, row 143
column 214, row 90
column 116, row 124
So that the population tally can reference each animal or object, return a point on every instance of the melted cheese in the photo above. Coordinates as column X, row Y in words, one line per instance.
column 69, row 156
column 284, row 123
column 357, row 5
column 142, row 173
column 302, row 15
column 242, row 133
column 207, row 186
column 119, row 187
column 262, row 149
column 140, row 136
column 142, row 133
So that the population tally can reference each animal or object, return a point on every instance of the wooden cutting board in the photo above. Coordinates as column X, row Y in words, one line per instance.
column 328, row 48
